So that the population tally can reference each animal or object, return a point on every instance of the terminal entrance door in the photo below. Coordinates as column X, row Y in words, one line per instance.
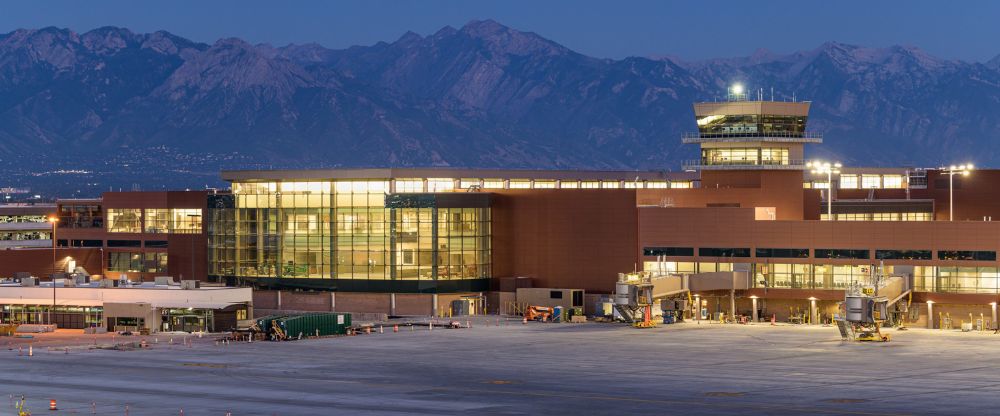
column 187, row 320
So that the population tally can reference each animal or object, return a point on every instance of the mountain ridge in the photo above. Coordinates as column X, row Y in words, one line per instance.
column 483, row 95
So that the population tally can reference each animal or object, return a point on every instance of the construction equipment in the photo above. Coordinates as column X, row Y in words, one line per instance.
column 538, row 313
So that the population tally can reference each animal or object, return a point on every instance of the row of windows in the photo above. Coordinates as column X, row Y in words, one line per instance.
column 881, row 216
column 380, row 188
column 154, row 220
column 750, row 124
column 821, row 253
column 17, row 219
column 112, row 243
column 137, row 262
column 745, row 156
column 952, row 279
column 862, row 181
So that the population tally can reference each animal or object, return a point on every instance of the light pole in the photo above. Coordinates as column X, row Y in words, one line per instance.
column 951, row 171
column 818, row 167
column 55, row 268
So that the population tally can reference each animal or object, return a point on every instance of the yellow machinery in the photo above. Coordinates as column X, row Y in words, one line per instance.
column 279, row 334
column 538, row 313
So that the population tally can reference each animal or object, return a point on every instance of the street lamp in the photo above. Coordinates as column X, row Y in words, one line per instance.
column 951, row 171
column 55, row 268
column 818, row 167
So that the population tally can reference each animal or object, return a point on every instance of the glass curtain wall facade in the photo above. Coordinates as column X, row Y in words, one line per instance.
column 345, row 231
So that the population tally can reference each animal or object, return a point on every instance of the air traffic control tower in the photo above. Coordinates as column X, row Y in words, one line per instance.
column 743, row 134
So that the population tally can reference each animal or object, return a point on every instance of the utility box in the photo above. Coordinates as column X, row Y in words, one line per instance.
column 29, row 281
column 164, row 281
column 190, row 284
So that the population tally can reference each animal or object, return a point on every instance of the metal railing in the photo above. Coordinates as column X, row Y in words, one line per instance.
column 789, row 137
column 743, row 164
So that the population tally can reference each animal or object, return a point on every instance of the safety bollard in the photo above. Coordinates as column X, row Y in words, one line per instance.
column 380, row 329
column 772, row 319
column 30, row 351
column 430, row 326
column 524, row 321
column 468, row 324
column 20, row 350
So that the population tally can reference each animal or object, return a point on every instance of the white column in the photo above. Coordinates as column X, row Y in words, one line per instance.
column 813, row 313
column 434, row 304
column 392, row 304
column 994, row 307
column 333, row 301
column 754, row 306
column 279, row 299
column 930, row 315
column 697, row 307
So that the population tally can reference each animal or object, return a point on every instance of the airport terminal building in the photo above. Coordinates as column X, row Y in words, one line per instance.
column 409, row 240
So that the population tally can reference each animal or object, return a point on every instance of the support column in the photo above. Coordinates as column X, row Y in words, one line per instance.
column 392, row 304
column 697, row 307
column 279, row 300
column 732, row 305
column 930, row 314
column 993, row 305
column 753, row 299
column 813, row 313
column 333, row 301
column 434, row 304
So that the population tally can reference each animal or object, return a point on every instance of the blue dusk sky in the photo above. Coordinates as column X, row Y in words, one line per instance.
column 690, row 30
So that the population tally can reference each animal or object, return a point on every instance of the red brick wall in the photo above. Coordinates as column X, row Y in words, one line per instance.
column 38, row 262
column 564, row 238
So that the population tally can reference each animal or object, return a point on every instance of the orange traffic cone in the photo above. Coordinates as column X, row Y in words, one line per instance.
column 52, row 404
column 524, row 321
column 772, row 319
column 395, row 328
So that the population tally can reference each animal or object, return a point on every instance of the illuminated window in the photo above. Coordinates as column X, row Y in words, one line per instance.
column 305, row 187
column 633, row 184
column 569, row 184
column 467, row 183
column 493, row 184
column 657, row 184
column 157, row 221
column 409, row 185
column 885, row 216
column 590, row 184
column 255, row 187
column 680, row 184
column 544, row 184
column 520, row 184
column 821, row 185
column 124, row 220
column 871, row 181
column 892, row 181
column 186, row 220
column 609, row 184
column 848, row 181
column 440, row 185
